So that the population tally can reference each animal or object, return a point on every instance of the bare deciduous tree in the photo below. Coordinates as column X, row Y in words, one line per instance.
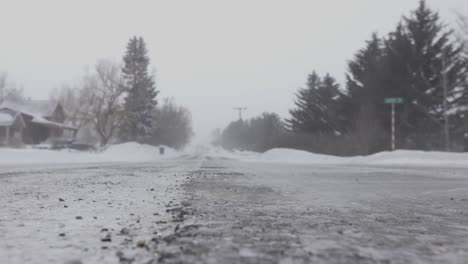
column 172, row 125
column 71, row 100
column 10, row 91
column 101, row 99
column 3, row 78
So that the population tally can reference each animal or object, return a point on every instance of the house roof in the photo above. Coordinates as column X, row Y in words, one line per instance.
column 8, row 118
column 39, row 110
column 45, row 122
column 43, row 108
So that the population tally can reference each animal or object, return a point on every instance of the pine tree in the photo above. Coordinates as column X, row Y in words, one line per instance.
column 235, row 136
column 410, row 63
column 365, row 74
column 422, row 55
column 141, row 92
column 463, row 35
column 265, row 131
column 366, row 86
column 316, row 110
column 333, row 98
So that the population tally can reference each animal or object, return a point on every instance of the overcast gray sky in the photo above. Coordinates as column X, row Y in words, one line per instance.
column 211, row 55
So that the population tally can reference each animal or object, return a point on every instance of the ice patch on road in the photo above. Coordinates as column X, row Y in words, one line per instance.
column 127, row 152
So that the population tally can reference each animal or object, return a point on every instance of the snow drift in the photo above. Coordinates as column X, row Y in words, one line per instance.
column 127, row 152
column 397, row 158
column 135, row 152
column 400, row 158
column 298, row 156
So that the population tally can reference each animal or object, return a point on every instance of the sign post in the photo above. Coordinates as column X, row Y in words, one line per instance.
column 393, row 102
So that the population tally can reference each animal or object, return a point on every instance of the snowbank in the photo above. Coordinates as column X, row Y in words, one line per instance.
column 127, row 152
column 134, row 152
column 298, row 156
column 400, row 158
column 416, row 158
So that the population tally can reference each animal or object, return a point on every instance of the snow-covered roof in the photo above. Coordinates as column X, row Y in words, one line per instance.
column 43, row 121
column 43, row 108
column 9, row 117
column 6, row 119
column 39, row 110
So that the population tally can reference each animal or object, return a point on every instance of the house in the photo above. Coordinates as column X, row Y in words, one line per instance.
column 11, row 128
column 34, row 122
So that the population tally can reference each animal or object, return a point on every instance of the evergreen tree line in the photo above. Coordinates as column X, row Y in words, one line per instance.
column 257, row 134
column 421, row 61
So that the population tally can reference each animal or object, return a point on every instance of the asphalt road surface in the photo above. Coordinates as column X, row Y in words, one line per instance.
column 215, row 210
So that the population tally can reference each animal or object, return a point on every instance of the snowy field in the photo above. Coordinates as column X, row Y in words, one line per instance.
column 129, row 204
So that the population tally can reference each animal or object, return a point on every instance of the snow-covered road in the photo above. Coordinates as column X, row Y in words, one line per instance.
column 247, row 212
column 202, row 209
column 97, row 213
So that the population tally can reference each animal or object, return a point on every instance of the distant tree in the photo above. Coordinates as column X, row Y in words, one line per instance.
column 423, row 57
column 334, row 100
column 366, row 89
column 264, row 132
column 463, row 32
column 365, row 75
column 259, row 134
column 101, row 97
column 172, row 125
column 71, row 100
column 10, row 91
column 140, row 100
column 236, row 136
column 304, row 118
column 77, row 106
column 3, row 84
column 317, row 107
column 413, row 62
column 216, row 137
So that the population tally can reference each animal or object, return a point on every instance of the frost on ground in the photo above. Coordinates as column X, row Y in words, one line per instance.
column 88, row 213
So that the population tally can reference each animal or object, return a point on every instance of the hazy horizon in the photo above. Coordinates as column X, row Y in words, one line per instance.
column 210, row 56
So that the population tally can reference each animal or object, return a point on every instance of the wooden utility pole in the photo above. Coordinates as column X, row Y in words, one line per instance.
column 240, row 109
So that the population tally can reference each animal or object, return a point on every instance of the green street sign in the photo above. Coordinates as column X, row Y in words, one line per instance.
column 393, row 100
